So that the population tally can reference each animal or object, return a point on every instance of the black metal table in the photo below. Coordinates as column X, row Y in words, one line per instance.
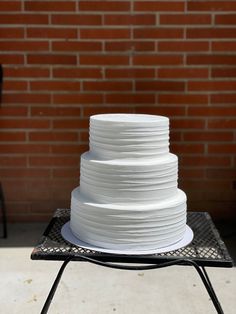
column 3, row 210
column 206, row 249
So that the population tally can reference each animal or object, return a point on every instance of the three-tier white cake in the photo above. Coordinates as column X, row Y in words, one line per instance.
column 128, row 198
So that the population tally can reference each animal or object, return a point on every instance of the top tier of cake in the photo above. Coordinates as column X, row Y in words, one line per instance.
column 128, row 136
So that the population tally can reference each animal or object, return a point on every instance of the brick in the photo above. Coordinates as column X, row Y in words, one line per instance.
column 53, row 161
column 212, row 111
column 180, row 73
column 12, row 32
column 65, row 173
column 210, row 33
column 211, row 85
column 183, row 46
column 17, row 188
column 183, row 99
column 104, row 33
column 49, row 32
column 104, row 60
column 222, row 148
column 104, row 6
column 26, row 72
column 129, row 73
column 208, row 136
column 158, row 33
column 223, row 46
column 10, row 6
column 128, row 19
column 13, row 111
column 24, row 173
column 185, row 19
column 223, row 196
column 24, row 45
column 76, row 19
column 9, row 85
column 54, row 86
column 51, row 59
column 84, row 136
column 24, row 19
column 164, row 111
column 159, row 86
column 70, row 123
column 69, row 149
column 18, row 98
column 53, row 136
column 196, row 174
column 223, row 98
column 211, row 59
column 13, row 161
column 225, row 19
column 107, row 86
column 24, row 124
column 55, row 111
column 77, row 73
column 88, row 111
column 135, row 98
column 12, row 136
column 188, row 124
column 158, row 6
column 24, row 148
column 222, row 123
column 50, row 6
column 211, row 6
column 223, row 72
column 206, row 184
column 157, row 60
column 203, row 161
column 175, row 136
column 11, row 59
column 76, row 46
column 130, row 46
column 187, row 148
column 221, row 173
column 33, row 217
column 19, row 207
column 78, row 99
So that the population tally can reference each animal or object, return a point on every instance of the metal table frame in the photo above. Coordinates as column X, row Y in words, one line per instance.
column 3, row 210
column 206, row 249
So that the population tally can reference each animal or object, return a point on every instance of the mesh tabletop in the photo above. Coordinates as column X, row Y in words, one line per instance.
column 206, row 249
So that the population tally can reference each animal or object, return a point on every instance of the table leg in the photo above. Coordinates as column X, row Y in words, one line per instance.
column 4, row 217
column 201, row 271
column 54, row 287
column 213, row 294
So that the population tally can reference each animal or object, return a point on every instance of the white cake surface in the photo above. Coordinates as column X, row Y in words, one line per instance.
column 128, row 196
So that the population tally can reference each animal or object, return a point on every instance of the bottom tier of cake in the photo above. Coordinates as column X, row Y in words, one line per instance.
column 129, row 226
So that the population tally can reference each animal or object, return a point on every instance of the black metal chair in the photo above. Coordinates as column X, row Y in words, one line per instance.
column 3, row 210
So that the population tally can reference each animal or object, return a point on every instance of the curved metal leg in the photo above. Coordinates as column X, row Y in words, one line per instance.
column 54, row 287
column 4, row 216
column 202, row 273
column 216, row 301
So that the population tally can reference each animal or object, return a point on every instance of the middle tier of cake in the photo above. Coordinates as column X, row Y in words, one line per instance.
column 128, row 180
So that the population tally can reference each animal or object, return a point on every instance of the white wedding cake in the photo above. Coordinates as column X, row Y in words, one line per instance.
column 128, row 198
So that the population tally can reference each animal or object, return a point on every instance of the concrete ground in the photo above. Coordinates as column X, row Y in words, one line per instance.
column 90, row 289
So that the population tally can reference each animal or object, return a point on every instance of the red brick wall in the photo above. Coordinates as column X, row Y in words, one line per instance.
column 66, row 60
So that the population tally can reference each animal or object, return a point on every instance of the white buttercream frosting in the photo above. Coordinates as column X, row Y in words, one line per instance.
column 128, row 196
column 127, row 181
column 129, row 136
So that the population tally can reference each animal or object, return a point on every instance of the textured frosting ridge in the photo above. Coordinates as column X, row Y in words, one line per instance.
column 142, row 137
column 128, row 196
